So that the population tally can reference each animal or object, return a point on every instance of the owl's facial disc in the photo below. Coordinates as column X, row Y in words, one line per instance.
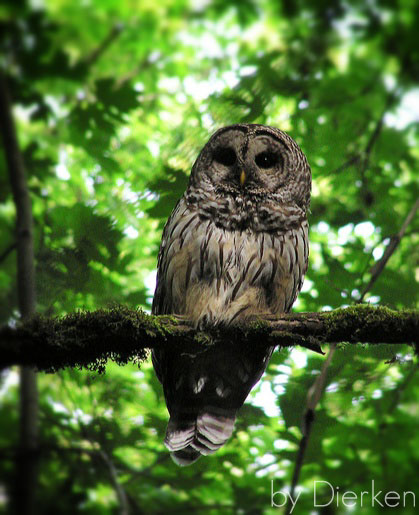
column 247, row 163
column 248, row 170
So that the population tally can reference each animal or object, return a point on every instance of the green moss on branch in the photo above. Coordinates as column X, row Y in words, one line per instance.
column 89, row 339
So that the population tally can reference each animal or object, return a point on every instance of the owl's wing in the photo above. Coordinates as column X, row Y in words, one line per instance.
column 162, row 300
column 169, row 267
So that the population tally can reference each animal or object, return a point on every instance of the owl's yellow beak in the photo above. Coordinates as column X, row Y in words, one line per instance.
column 242, row 177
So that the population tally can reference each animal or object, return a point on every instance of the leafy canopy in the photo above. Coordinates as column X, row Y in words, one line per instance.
column 113, row 101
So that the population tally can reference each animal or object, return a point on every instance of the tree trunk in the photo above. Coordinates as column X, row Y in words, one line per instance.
column 23, row 496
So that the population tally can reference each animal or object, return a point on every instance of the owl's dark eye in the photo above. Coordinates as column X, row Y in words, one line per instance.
column 225, row 156
column 267, row 159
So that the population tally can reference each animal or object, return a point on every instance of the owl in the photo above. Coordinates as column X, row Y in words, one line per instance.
column 234, row 249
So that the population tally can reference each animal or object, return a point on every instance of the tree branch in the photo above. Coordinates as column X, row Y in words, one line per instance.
column 88, row 339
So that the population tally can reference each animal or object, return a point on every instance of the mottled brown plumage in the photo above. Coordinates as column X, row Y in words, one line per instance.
column 234, row 248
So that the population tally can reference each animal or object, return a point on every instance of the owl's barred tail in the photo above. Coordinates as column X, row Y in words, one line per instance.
column 204, row 392
column 189, row 439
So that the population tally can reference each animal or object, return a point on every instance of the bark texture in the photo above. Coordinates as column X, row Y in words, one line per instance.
column 89, row 339
column 26, row 473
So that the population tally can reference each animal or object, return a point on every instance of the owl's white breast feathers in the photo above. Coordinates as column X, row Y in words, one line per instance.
column 213, row 275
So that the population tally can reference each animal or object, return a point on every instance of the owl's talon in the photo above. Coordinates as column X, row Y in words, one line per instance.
column 182, row 319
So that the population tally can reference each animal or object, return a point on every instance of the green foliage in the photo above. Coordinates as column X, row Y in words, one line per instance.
column 113, row 101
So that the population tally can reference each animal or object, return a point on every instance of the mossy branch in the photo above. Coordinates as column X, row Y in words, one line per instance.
column 89, row 339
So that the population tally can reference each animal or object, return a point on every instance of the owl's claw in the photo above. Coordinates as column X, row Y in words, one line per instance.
column 182, row 319
column 268, row 317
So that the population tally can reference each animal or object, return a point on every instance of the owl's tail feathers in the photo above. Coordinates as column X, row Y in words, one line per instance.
column 189, row 439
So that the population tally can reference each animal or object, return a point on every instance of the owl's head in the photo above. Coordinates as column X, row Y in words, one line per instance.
column 254, row 161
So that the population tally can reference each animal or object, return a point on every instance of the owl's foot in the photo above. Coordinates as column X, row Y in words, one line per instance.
column 182, row 319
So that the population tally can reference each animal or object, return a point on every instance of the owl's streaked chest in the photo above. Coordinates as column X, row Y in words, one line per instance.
column 211, row 274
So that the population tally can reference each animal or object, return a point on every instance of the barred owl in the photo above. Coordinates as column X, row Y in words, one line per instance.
column 234, row 248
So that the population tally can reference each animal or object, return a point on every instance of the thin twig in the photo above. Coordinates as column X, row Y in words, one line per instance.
column 135, row 70
column 120, row 492
column 313, row 397
column 369, row 146
column 7, row 251
column 351, row 161
column 377, row 131
column 97, row 52
column 378, row 267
